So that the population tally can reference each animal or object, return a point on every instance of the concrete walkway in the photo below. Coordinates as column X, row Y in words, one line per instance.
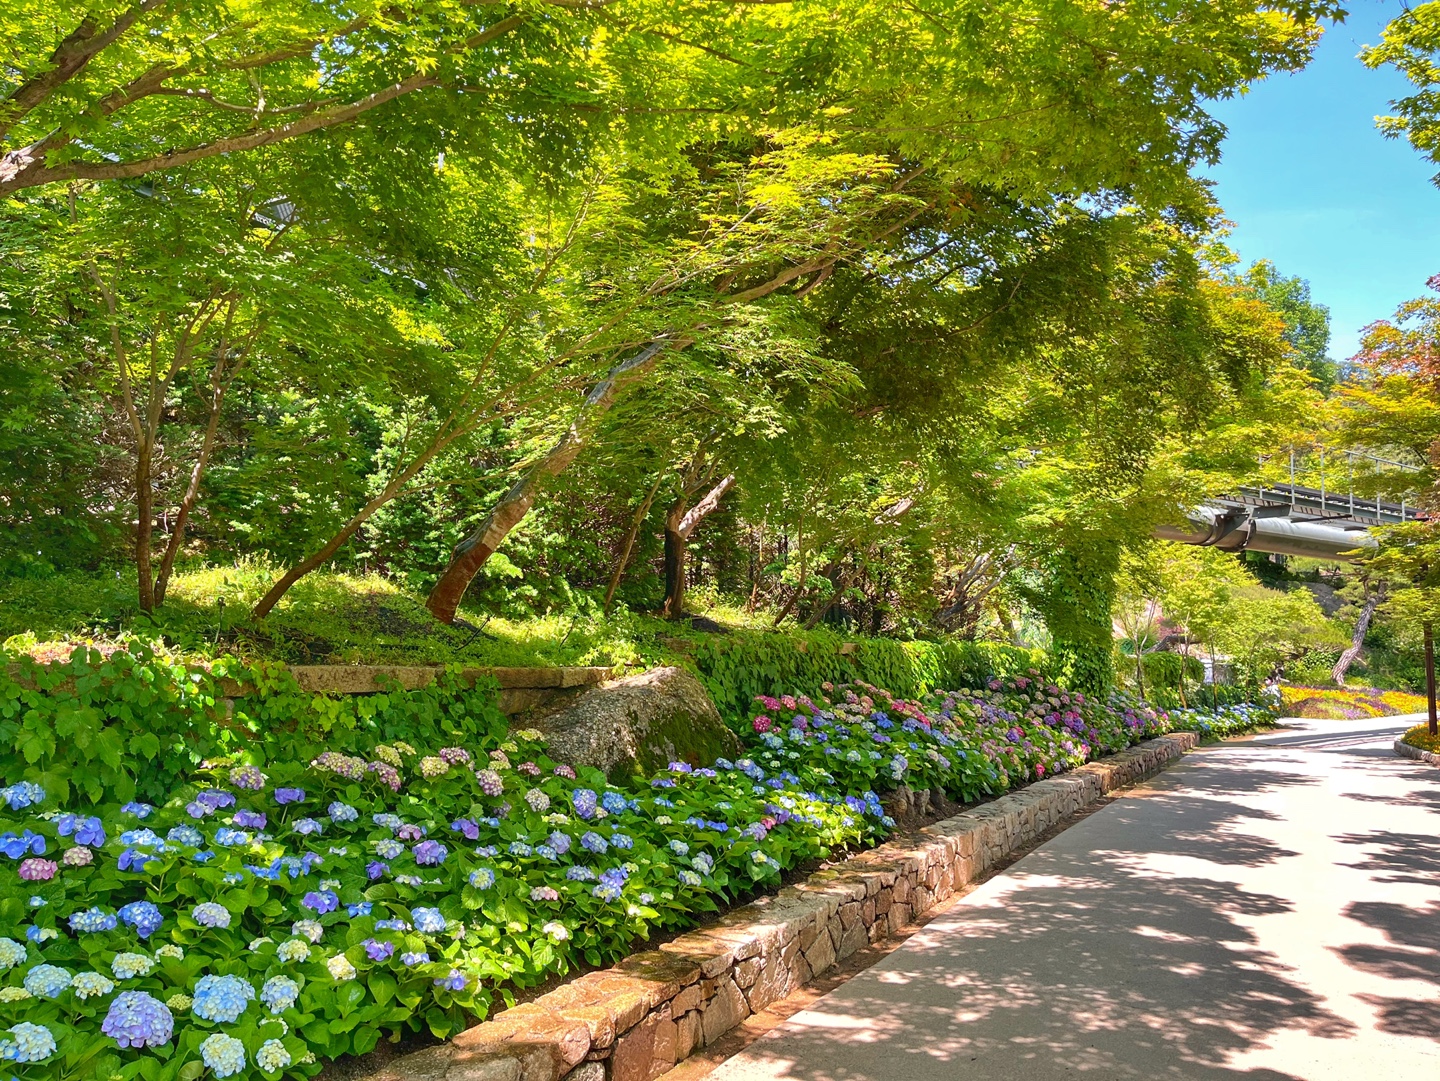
column 1268, row 909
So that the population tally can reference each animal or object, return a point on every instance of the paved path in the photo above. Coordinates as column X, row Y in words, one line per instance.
column 1268, row 909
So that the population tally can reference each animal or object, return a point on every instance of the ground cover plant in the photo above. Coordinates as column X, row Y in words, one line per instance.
column 1336, row 704
column 1420, row 736
column 263, row 916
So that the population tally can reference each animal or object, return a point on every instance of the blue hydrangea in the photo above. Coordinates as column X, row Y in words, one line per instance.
column 520, row 848
column 607, row 891
column 703, row 863
column 593, row 842
column 614, row 802
column 47, row 981
column 279, row 993
column 23, row 794
column 387, row 821
column 428, row 921
column 584, row 801
column 392, row 925
column 409, row 960
column 680, row 848
column 92, row 921
column 342, row 812
column 621, row 840
column 545, row 852
column 306, row 826
column 87, row 831
column 222, row 998
column 455, row 981
column 559, row 840
column 28, row 1043
column 186, row 835
column 139, row 810
column 225, row 1055
column 229, row 838
column 211, row 914
column 580, row 873
column 388, row 848
column 482, row 878
column 138, row 1020
column 143, row 916
column 360, row 908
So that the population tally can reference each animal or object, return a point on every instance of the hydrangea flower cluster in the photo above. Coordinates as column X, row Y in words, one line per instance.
column 279, row 869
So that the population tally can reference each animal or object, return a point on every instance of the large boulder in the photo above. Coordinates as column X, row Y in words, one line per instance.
column 639, row 724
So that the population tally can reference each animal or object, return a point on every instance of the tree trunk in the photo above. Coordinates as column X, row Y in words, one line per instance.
column 1430, row 676
column 675, row 544
column 219, row 383
column 680, row 526
column 144, row 525
column 635, row 523
column 1362, row 625
column 472, row 552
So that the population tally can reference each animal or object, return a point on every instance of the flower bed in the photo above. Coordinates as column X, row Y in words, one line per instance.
column 259, row 922
column 1334, row 704
column 1420, row 738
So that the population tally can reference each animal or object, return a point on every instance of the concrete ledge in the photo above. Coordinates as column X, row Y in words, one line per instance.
column 636, row 1020
column 522, row 690
column 1404, row 750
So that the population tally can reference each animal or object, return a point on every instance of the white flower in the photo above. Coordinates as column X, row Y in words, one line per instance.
column 340, row 968
column 556, row 930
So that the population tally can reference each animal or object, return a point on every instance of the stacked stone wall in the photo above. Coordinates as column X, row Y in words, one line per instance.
column 638, row 1019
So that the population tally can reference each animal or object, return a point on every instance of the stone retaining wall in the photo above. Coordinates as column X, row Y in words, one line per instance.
column 636, row 1020
column 1404, row 750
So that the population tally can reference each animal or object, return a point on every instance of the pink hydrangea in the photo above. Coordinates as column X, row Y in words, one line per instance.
column 387, row 773
column 38, row 870
column 761, row 723
column 565, row 771
column 456, row 756
column 530, row 769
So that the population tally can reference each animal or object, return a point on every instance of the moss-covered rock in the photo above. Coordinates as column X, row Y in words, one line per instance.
column 639, row 724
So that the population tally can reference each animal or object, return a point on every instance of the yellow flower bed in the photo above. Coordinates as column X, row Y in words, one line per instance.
column 1420, row 736
column 1330, row 703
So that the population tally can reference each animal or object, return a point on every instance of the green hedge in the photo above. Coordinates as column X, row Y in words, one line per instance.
column 134, row 724
column 736, row 667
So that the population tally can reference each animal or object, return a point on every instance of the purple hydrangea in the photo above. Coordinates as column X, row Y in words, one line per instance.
column 138, row 1020
column 430, row 853
column 307, row 826
column 321, row 901
column 469, row 827
column 248, row 778
column 559, row 841
column 211, row 914
column 375, row 869
column 379, row 951
column 250, row 820
column 585, row 801
column 289, row 795
column 593, row 842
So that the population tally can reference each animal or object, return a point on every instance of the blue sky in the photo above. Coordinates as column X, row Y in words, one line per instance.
column 1311, row 185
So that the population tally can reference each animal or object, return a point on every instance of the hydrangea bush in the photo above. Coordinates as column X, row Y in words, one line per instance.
column 261, row 921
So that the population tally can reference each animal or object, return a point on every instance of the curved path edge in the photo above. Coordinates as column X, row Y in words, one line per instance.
column 1404, row 750
column 636, row 1020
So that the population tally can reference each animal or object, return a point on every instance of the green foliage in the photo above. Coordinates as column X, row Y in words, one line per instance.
column 122, row 725
column 740, row 666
